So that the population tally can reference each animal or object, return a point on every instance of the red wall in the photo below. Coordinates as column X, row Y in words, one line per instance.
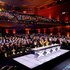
column 56, row 11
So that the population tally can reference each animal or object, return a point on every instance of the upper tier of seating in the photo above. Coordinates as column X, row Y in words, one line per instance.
column 24, row 18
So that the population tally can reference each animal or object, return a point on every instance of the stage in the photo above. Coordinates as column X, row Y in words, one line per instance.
column 31, row 62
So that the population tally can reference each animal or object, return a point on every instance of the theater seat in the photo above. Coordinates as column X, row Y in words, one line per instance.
column 4, row 67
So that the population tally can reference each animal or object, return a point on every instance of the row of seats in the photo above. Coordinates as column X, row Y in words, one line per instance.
column 8, row 67
column 14, row 52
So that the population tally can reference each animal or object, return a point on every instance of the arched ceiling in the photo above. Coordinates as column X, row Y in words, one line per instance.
column 31, row 3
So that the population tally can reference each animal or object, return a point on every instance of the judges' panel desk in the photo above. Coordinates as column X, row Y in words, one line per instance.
column 31, row 61
column 41, row 55
column 45, row 50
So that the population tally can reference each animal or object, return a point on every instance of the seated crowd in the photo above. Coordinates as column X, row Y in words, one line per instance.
column 18, row 17
column 22, row 44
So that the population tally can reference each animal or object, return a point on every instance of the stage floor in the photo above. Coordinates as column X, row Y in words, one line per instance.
column 31, row 61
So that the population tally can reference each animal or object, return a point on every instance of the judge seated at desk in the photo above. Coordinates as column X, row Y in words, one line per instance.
column 46, row 42
column 42, row 42
column 35, row 43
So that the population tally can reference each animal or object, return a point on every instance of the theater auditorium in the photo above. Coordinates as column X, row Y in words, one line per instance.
column 34, row 34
